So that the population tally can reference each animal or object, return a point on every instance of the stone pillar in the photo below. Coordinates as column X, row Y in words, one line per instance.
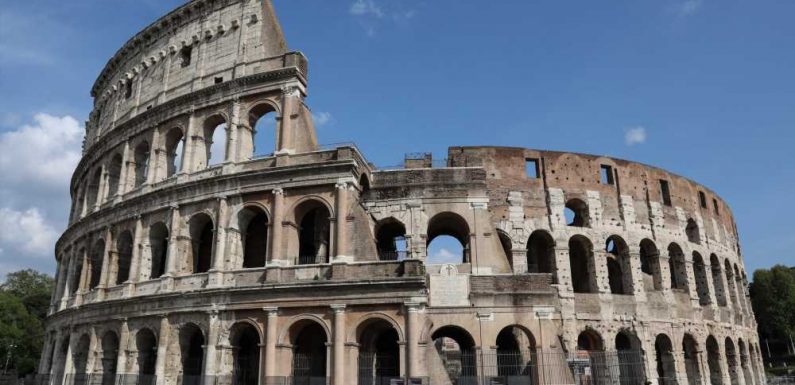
column 162, row 350
column 104, row 277
column 121, row 360
column 638, row 288
column 290, row 95
column 46, row 353
column 124, row 185
column 219, row 251
column 211, row 348
column 135, row 264
column 173, row 239
column 412, row 310
column 187, row 148
column 277, row 256
column 270, row 343
column 233, row 143
column 67, row 279
column 100, row 190
column 153, row 162
column 68, row 362
column 341, row 230
column 338, row 373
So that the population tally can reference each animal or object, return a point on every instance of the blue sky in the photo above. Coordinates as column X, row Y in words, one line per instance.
column 704, row 88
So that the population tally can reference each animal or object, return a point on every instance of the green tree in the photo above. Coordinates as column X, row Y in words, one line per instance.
column 34, row 289
column 773, row 300
column 21, row 335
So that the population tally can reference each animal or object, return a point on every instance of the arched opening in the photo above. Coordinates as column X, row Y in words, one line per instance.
column 650, row 265
column 314, row 232
column 744, row 362
column 582, row 265
column 74, row 282
column 110, row 353
column 97, row 256
column 666, row 369
column 390, row 239
column 124, row 251
column 730, row 282
column 309, row 353
column 731, row 362
column 146, row 344
column 515, row 350
column 507, row 246
column 717, row 280
column 201, row 237
column 690, row 351
column 364, row 184
column 540, row 253
column 262, row 120
column 253, row 224
column 215, row 140
column 713, row 361
column 677, row 267
column 738, row 284
column 141, row 163
column 630, row 359
column 456, row 349
column 114, row 175
column 80, row 359
column 175, row 144
column 191, row 344
column 448, row 239
column 379, row 353
column 93, row 191
column 158, row 244
column 692, row 231
column 245, row 345
column 590, row 341
column 702, row 286
column 58, row 371
column 576, row 213
column 619, row 269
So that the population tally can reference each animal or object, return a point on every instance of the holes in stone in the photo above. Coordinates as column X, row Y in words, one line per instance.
column 702, row 199
column 576, row 213
column 219, row 80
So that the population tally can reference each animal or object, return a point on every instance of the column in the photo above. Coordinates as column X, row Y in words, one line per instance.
column 173, row 239
column 412, row 339
column 124, row 185
column 46, row 354
column 341, row 231
column 219, row 250
column 108, row 254
column 289, row 96
column 100, row 190
column 232, row 139
column 210, row 348
column 135, row 264
column 276, row 254
column 187, row 151
column 338, row 352
column 67, row 279
column 162, row 350
column 152, row 162
column 270, row 343
column 121, row 360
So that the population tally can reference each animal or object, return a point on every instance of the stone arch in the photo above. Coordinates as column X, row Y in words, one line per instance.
column 731, row 283
column 192, row 340
column 713, row 361
column 731, row 361
column 582, row 265
column 506, row 244
column 364, row 184
column 95, row 264
column 576, row 213
column 390, row 239
column 295, row 323
column 456, row 348
column 262, row 139
column 692, row 231
column 590, row 340
column 308, row 337
column 245, row 339
column 141, row 156
column 158, row 245
column 664, row 358
column 146, row 346
column 452, row 225
column 702, row 285
column 717, row 280
column 515, row 347
column 174, row 147
column 619, row 266
column 677, row 267
column 744, row 367
column 124, row 253
column 650, row 265
column 77, row 273
column 690, row 351
column 202, row 243
column 541, row 253
column 313, row 232
column 80, row 354
column 253, row 223
column 94, row 198
column 215, row 134
column 109, row 357
column 354, row 334
column 114, row 175
column 379, row 342
column 629, row 352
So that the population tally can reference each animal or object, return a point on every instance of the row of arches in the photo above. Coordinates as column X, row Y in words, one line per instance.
column 171, row 150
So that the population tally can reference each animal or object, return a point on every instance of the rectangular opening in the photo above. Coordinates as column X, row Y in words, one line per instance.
column 666, row 192
column 715, row 205
column 128, row 89
column 185, row 55
column 702, row 199
column 219, row 80
column 606, row 174
column 531, row 168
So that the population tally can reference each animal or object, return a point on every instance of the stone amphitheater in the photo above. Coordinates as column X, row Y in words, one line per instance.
column 196, row 256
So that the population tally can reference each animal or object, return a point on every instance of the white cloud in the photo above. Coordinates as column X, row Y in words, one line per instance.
column 689, row 7
column 635, row 135
column 27, row 232
column 322, row 118
column 366, row 8
column 444, row 256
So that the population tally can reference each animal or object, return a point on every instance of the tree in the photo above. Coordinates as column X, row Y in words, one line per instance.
column 21, row 335
column 34, row 289
column 773, row 299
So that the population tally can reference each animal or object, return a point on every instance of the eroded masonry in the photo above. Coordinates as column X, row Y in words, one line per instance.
column 195, row 255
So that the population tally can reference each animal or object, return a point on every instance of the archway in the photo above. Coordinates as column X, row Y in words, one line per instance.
column 730, row 283
column 630, row 359
column 650, row 265
column 93, row 192
column 110, row 354
column 515, row 350
column 175, row 145
column 455, row 348
column 702, row 286
column 158, row 247
column 80, row 359
column 540, row 253
column 114, row 175
column 97, row 256
column 690, row 351
column 76, row 275
column 692, row 231
column 263, row 123
column 582, row 265
column 390, row 240
column 619, row 269
column 379, row 352
column 124, row 251
column 666, row 367
column 191, row 343
column 731, row 361
column 744, row 362
column 713, row 361
column 314, row 232
column 591, row 349
column 717, row 280
column 253, row 224
column 309, row 353
column 677, row 267
column 141, row 159
column 590, row 341
column 146, row 344
column 448, row 239
column 201, row 238
column 215, row 132
column 246, row 351
column 576, row 213
column 507, row 246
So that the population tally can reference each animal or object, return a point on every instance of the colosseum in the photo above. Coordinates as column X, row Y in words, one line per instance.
column 196, row 256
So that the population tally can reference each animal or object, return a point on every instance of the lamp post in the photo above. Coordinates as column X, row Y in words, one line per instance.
column 11, row 347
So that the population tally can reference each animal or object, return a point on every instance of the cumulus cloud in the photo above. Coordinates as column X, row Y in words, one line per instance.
column 322, row 118
column 635, row 135
column 27, row 231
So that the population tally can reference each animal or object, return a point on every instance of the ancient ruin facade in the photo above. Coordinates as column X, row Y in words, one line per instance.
column 195, row 257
